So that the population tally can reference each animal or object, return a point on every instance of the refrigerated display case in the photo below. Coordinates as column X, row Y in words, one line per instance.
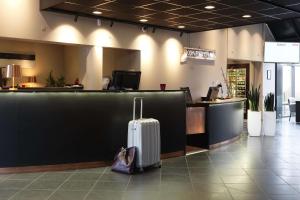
column 238, row 81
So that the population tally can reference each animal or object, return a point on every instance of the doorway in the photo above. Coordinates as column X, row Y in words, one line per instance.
column 287, row 86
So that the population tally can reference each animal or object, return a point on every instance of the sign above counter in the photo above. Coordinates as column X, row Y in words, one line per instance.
column 199, row 54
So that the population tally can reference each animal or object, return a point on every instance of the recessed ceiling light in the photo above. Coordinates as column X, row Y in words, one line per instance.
column 209, row 7
column 97, row 12
column 247, row 16
column 143, row 20
column 181, row 27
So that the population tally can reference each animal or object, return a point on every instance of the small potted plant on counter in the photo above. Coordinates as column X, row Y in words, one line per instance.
column 269, row 116
column 254, row 115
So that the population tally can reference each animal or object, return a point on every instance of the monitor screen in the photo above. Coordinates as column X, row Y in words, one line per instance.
column 212, row 93
column 122, row 80
column 188, row 96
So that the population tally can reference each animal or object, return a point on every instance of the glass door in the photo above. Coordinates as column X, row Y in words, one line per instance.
column 288, row 85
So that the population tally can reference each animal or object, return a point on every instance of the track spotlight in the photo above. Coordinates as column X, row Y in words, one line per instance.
column 153, row 30
column 144, row 28
column 181, row 34
column 99, row 23
column 76, row 18
column 111, row 23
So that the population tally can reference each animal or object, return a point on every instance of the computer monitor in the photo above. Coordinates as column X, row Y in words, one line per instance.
column 188, row 96
column 212, row 93
column 122, row 80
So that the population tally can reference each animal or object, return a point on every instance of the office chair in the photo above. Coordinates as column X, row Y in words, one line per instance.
column 292, row 106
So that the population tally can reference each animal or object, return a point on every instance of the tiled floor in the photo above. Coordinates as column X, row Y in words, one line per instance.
column 252, row 168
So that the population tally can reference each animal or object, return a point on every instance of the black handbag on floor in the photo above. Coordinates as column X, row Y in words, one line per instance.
column 125, row 160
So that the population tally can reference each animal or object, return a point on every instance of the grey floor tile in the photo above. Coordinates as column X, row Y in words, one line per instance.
column 5, row 194
column 279, row 190
column 111, row 177
column 287, row 173
column 202, row 171
column 105, row 195
column 165, row 195
column 32, row 195
column 68, row 195
column 45, row 184
column 209, row 188
column 237, row 179
column 231, row 172
column 204, row 178
column 77, row 185
column 154, row 179
column 55, row 176
column 184, row 187
column 14, row 184
column 138, row 195
column 175, row 178
column 112, row 186
column 244, row 189
column 92, row 170
column 81, row 176
column 269, row 180
column 25, row 176
column 212, row 196
column 146, row 186
column 285, row 197
column 175, row 170
column 249, row 197
column 200, row 164
column 291, row 180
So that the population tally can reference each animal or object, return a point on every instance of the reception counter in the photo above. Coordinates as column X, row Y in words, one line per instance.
column 213, row 123
column 298, row 111
column 83, row 128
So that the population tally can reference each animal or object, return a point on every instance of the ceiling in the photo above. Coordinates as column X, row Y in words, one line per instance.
column 286, row 30
column 191, row 14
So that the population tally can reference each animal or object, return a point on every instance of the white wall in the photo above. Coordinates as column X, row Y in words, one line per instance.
column 268, row 85
column 246, row 43
column 160, row 52
column 202, row 74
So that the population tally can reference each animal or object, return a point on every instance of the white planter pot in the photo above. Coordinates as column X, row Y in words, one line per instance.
column 254, row 123
column 269, row 123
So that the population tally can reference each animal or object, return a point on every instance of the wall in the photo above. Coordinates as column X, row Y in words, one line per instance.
column 202, row 74
column 160, row 52
column 48, row 57
column 72, row 63
column 268, row 85
column 120, row 59
column 246, row 43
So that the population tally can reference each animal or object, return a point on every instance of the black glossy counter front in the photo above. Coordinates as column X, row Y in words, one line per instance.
column 46, row 128
column 298, row 111
column 219, row 122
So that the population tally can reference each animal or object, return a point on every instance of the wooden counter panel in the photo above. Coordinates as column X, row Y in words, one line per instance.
column 195, row 120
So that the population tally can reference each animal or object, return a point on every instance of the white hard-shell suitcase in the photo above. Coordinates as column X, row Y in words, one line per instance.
column 145, row 135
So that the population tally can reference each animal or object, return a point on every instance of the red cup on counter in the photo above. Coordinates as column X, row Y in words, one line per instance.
column 163, row 86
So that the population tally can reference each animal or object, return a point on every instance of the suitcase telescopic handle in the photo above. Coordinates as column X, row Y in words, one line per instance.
column 134, row 106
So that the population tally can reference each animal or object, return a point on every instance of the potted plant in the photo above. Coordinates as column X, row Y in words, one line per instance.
column 254, row 115
column 269, row 116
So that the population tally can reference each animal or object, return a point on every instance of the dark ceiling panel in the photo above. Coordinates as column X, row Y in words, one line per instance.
column 162, row 6
column 283, row 30
column 192, row 14
column 205, row 15
column 218, row 6
column 183, row 11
